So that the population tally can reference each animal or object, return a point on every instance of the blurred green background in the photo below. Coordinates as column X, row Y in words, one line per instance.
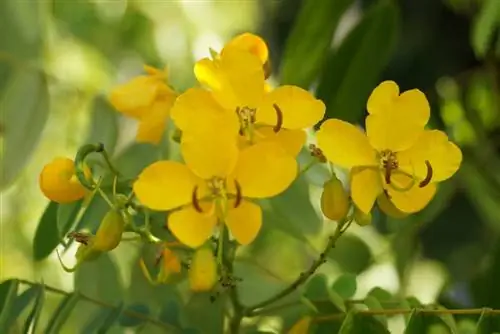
column 59, row 58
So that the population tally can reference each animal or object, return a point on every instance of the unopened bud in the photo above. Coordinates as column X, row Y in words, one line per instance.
column 361, row 218
column 385, row 204
column 334, row 200
column 170, row 266
column 110, row 232
column 203, row 270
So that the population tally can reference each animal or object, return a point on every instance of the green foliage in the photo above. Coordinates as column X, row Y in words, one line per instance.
column 309, row 41
column 486, row 23
column 47, row 234
column 24, row 105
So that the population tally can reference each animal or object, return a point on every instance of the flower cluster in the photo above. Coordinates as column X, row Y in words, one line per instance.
column 240, row 138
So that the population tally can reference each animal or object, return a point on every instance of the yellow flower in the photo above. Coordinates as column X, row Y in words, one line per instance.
column 213, row 186
column 59, row 183
column 397, row 156
column 148, row 99
column 239, row 101
column 253, row 44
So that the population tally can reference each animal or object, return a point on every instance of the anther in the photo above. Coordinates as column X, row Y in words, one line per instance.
column 279, row 118
column 79, row 237
column 194, row 200
column 239, row 196
column 428, row 176
column 387, row 175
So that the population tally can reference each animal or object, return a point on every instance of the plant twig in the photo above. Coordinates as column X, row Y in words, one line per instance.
column 472, row 311
column 129, row 313
column 341, row 228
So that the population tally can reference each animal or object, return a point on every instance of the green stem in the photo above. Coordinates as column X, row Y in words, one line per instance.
column 307, row 167
column 341, row 228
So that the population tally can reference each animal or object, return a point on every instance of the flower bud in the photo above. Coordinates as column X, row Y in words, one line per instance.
column 170, row 266
column 110, row 232
column 385, row 204
column 301, row 326
column 253, row 44
column 59, row 183
column 361, row 218
column 203, row 271
column 334, row 200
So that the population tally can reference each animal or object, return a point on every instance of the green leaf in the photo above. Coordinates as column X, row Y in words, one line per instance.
column 310, row 39
column 47, row 234
column 484, row 26
column 31, row 324
column 170, row 313
column 106, row 287
column 351, row 254
column 345, row 285
column 22, row 301
column 488, row 323
column 104, row 125
column 373, row 304
column 380, row 294
column 204, row 314
column 103, row 320
column 295, row 208
column 416, row 323
column 8, row 294
column 135, row 158
column 324, row 300
column 355, row 323
column 24, row 108
column 62, row 313
column 352, row 71
column 129, row 321
column 66, row 215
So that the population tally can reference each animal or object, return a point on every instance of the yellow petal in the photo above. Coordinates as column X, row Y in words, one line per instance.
column 265, row 170
column 165, row 185
column 250, row 43
column 152, row 125
column 413, row 200
column 433, row 146
column 400, row 123
column 365, row 187
column 244, row 222
column 291, row 140
column 299, row 108
column 59, row 183
column 191, row 227
column 382, row 97
column 385, row 204
column 212, row 155
column 345, row 145
column 236, row 79
column 196, row 111
column 203, row 271
column 131, row 97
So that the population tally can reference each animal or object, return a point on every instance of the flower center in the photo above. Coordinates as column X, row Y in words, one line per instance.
column 389, row 163
column 247, row 118
column 217, row 187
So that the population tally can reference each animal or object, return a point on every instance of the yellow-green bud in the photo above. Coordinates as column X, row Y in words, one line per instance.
column 86, row 253
column 334, row 200
column 361, row 218
column 385, row 204
column 170, row 267
column 110, row 232
column 203, row 271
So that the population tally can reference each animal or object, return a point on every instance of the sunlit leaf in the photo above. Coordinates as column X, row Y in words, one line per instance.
column 104, row 125
column 24, row 108
column 8, row 294
column 135, row 158
column 352, row 71
column 375, row 305
column 310, row 39
column 62, row 313
column 46, row 234
column 416, row 323
column 22, row 301
column 326, row 301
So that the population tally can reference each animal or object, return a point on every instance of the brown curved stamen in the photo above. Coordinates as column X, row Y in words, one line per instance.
column 194, row 200
column 388, row 174
column 279, row 118
column 386, row 193
column 428, row 176
column 239, row 196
